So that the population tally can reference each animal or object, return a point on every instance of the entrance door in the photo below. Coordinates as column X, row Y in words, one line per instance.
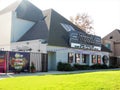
column 52, row 61
column 44, row 59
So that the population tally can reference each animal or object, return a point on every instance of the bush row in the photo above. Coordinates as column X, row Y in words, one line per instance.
column 81, row 67
column 64, row 67
column 68, row 67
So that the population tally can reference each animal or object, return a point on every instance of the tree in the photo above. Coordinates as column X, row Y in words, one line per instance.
column 84, row 22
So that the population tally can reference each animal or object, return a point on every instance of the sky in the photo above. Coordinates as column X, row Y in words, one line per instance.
column 104, row 13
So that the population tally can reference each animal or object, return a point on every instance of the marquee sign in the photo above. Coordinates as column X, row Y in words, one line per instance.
column 79, row 39
column 82, row 40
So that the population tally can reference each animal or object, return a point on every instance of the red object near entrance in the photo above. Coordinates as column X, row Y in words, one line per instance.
column 2, row 62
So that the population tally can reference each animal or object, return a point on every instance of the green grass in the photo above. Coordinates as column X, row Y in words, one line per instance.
column 103, row 80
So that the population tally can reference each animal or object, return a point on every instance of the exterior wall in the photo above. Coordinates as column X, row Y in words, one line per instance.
column 5, row 31
column 19, row 27
column 112, row 46
column 117, row 49
column 62, row 55
column 34, row 45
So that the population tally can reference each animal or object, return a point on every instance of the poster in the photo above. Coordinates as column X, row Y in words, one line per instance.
column 19, row 61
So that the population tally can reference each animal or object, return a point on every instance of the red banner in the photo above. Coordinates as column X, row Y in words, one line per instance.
column 2, row 63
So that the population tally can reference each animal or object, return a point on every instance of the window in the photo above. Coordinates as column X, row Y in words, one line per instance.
column 67, row 27
column 108, row 45
column 84, row 57
column 99, row 59
column 94, row 59
column 71, row 28
column 64, row 26
column 70, row 57
column 77, row 58
column 111, row 37
column 105, row 59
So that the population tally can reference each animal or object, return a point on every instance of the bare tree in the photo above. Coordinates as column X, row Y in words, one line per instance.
column 84, row 22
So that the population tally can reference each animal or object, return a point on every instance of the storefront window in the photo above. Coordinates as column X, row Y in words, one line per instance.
column 105, row 59
column 70, row 57
column 77, row 58
column 84, row 58
column 98, row 59
column 94, row 59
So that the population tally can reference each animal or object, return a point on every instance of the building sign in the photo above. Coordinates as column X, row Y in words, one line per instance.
column 19, row 61
column 84, row 46
column 85, row 41
column 80, row 39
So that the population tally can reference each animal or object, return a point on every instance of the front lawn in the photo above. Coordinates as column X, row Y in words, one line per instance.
column 103, row 80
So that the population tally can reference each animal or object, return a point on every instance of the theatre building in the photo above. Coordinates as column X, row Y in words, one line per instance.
column 33, row 30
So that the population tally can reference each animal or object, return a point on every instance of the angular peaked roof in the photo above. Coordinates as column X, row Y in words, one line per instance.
column 25, row 10
column 28, row 11
column 50, row 29
column 58, row 36
column 11, row 7
column 38, row 31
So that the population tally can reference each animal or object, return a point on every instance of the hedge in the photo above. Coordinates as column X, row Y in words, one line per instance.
column 64, row 67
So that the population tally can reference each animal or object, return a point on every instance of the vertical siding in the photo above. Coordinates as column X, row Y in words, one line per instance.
column 36, row 59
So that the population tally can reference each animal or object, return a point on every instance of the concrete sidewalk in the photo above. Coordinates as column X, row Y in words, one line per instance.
column 11, row 75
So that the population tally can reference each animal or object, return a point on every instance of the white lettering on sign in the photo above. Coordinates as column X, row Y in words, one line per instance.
column 83, row 46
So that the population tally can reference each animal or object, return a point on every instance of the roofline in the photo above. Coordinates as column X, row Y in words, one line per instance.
column 11, row 7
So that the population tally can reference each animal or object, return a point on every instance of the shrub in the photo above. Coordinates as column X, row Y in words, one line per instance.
column 32, row 67
column 96, row 66
column 81, row 67
column 104, row 66
column 99, row 66
column 113, row 66
column 64, row 67
column 67, row 67
column 60, row 66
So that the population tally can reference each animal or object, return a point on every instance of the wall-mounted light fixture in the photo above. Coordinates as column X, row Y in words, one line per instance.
column 27, row 43
column 38, row 50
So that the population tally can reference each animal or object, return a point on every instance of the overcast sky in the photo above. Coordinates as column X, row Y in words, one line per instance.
column 104, row 13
